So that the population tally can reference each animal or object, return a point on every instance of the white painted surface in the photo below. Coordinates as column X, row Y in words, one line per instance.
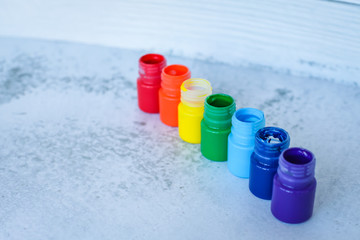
column 309, row 38
column 79, row 160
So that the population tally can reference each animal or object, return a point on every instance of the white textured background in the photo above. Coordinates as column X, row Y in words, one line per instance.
column 79, row 160
column 310, row 38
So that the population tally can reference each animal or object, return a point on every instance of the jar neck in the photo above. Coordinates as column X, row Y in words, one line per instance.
column 194, row 91
column 192, row 109
column 218, row 110
column 270, row 142
column 172, row 77
column 296, row 167
column 150, row 68
column 245, row 123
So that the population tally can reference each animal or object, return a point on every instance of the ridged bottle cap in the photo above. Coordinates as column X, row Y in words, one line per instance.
column 296, row 167
column 172, row 77
column 271, row 141
column 219, row 109
column 194, row 91
column 247, row 121
column 150, row 68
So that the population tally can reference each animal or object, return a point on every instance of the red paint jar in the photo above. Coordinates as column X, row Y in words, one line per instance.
column 149, row 81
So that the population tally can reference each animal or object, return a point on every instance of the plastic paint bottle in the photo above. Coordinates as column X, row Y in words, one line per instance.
column 191, row 108
column 269, row 143
column 294, row 186
column 148, row 83
column 172, row 77
column 245, row 123
column 216, row 126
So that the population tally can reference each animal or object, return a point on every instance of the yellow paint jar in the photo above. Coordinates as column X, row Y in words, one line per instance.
column 191, row 108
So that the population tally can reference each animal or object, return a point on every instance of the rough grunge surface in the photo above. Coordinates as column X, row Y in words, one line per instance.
column 79, row 160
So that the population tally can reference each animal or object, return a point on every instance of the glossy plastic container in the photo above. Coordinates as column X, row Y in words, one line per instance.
column 191, row 108
column 216, row 126
column 269, row 144
column 149, row 81
column 245, row 123
column 172, row 77
column 294, row 186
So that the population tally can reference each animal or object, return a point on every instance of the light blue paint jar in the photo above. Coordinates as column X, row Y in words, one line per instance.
column 241, row 141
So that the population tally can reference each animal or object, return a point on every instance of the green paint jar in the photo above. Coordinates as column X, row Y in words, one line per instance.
column 216, row 126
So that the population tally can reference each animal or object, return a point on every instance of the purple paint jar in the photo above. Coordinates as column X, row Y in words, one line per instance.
column 294, row 186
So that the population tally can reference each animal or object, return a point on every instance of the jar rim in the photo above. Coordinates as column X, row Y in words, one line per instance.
column 194, row 91
column 219, row 100
column 263, row 135
column 249, row 115
column 151, row 59
column 176, row 71
column 297, row 156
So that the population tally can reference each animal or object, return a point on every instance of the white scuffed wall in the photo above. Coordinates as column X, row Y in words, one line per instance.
column 311, row 38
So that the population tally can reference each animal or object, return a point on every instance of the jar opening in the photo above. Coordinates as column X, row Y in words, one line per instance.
column 249, row 116
column 272, row 136
column 152, row 58
column 194, row 91
column 176, row 70
column 297, row 156
column 219, row 100
column 198, row 85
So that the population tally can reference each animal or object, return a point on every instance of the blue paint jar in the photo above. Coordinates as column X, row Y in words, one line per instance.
column 245, row 123
column 269, row 143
